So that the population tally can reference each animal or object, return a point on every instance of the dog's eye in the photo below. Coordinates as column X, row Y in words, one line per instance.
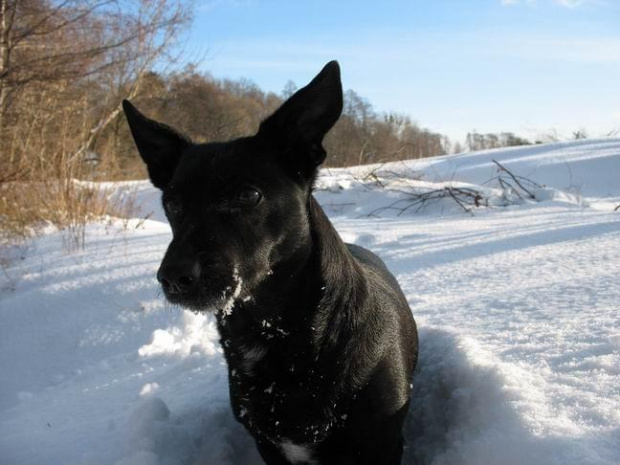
column 248, row 197
column 173, row 207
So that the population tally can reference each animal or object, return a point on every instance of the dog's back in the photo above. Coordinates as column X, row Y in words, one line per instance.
column 378, row 280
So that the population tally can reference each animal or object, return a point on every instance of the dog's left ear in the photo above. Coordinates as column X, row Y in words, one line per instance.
column 301, row 123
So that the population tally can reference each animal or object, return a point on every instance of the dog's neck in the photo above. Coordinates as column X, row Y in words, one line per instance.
column 344, row 287
column 313, row 292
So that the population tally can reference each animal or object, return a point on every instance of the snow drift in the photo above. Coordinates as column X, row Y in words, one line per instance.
column 517, row 307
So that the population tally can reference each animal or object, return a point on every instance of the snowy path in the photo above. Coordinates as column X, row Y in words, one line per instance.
column 517, row 309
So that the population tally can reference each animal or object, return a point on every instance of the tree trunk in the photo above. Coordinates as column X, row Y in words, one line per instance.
column 5, row 60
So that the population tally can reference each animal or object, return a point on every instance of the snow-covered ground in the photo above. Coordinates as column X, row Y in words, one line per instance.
column 517, row 305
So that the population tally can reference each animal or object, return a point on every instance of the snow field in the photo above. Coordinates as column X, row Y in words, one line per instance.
column 517, row 309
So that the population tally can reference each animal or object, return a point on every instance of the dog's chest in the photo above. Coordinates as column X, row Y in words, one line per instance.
column 280, row 391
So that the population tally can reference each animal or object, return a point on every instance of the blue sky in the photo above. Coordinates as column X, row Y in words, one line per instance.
column 526, row 66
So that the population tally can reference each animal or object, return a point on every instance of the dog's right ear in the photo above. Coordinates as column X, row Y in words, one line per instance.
column 160, row 146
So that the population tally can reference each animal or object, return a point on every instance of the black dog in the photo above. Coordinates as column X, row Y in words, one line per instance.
column 319, row 339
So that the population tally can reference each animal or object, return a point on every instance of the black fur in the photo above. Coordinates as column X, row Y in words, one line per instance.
column 319, row 339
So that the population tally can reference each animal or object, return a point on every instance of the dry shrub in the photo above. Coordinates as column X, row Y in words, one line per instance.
column 26, row 207
column 41, row 187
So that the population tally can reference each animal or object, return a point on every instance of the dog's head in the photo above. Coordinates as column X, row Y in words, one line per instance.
column 238, row 209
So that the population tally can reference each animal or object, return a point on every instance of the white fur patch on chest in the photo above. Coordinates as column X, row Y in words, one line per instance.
column 297, row 454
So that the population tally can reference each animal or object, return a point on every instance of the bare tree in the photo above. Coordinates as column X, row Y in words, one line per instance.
column 113, row 42
column 65, row 65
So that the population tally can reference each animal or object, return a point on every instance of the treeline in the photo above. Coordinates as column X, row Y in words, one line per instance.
column 204, row 108
column 66, row 65
column 475, row 141
column 363, row 136
column 210, row 109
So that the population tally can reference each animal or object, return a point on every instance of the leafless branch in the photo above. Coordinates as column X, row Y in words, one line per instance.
column 516, row 179
column 465, row 198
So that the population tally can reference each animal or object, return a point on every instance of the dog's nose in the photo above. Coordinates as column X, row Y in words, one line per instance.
column 179, row 277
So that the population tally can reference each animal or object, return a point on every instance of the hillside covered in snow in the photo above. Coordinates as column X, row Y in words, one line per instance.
column 512, row 276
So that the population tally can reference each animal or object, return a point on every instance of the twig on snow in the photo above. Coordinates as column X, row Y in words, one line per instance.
column 516, row 180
